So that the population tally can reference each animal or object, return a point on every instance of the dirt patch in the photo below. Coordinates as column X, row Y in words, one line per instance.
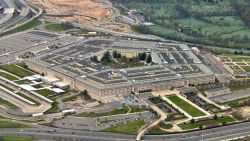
column 90, row 10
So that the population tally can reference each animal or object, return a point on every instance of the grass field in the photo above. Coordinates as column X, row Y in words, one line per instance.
column 137, row 109
column 124, row 63
column 8, row 124
column 156, row 131
column 8, row 76
column 114, row 112
column 6, row 103
column 20, row 82
column 123, row 110
column 30, row 99
column 11, row 138
column 51, row 26
column 45, row 92
column 246, row 68
column 37, row 86
column 16, row 70
column 203, row 22
column 191, row 110
column 236, row 58
column 29, row 25
column 70, row 98
column 212, row 122
column 53, row 109
column 6, row 87
column 130, row 128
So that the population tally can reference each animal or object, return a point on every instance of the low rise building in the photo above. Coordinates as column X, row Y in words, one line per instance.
column 217, row 91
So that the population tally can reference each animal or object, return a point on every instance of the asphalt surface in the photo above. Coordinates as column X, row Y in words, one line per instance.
column 220, row 133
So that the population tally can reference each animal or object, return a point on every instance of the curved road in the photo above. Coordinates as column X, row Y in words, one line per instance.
column 220, row 133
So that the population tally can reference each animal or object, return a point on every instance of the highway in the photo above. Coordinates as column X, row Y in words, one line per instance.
column 25, row 14
column 220, row 133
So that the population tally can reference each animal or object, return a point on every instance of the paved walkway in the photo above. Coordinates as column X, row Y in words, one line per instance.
column 152, row 124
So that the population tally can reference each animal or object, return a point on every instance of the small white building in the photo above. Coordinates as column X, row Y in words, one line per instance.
column 61, row 85
column 50, row 80
column 57, row 90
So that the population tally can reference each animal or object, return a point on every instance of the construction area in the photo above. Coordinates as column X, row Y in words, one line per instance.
column 100, row 13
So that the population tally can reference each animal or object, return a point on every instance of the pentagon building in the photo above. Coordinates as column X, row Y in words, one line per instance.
column 174, row 65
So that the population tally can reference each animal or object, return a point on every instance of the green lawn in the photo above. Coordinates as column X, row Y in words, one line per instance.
column 236, row 58
column 191, row 110
column 165, row 126
column 212, row 122
column 246, row 68
column 51, row 26
column 24, row 27
column 6, row 103
column 8, row 76
column 16, row 70
column 124, row 63
column 137, row 109
column 11, row 138
column 30, row 99
column 114, row 112
column 70, row 98
column 37, row 86
column 217, row 23
column 123, row 110
column 53, row 109
column 45, row 92
column 8, row 124
column 20, row 82
column 156, row 131
column 6, row 87
column 130, row 128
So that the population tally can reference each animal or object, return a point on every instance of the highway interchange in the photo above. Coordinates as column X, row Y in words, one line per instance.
column 16, row 13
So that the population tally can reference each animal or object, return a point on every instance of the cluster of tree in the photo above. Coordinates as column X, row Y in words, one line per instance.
column 85, row 95
column 247, row 102
column 238, row 52
column 106, row 57
column 117, row 54
column 243, row 9
column 94, row 59
column 67, row 25
column 149, row 59
column 142, row 56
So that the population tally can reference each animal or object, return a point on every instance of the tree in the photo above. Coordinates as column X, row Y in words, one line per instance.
column 192, row 120
column 67, row 25
column 215, row 117
column 106, row 57
column 94, row 59
column 142, row 56
column 149, row 59
column 85, row 95
column 117, row 54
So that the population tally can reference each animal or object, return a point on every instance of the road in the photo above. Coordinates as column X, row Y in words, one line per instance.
column 220, row 133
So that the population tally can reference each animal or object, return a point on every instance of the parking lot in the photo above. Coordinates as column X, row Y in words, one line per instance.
column 99, row 123
column 15, row 45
